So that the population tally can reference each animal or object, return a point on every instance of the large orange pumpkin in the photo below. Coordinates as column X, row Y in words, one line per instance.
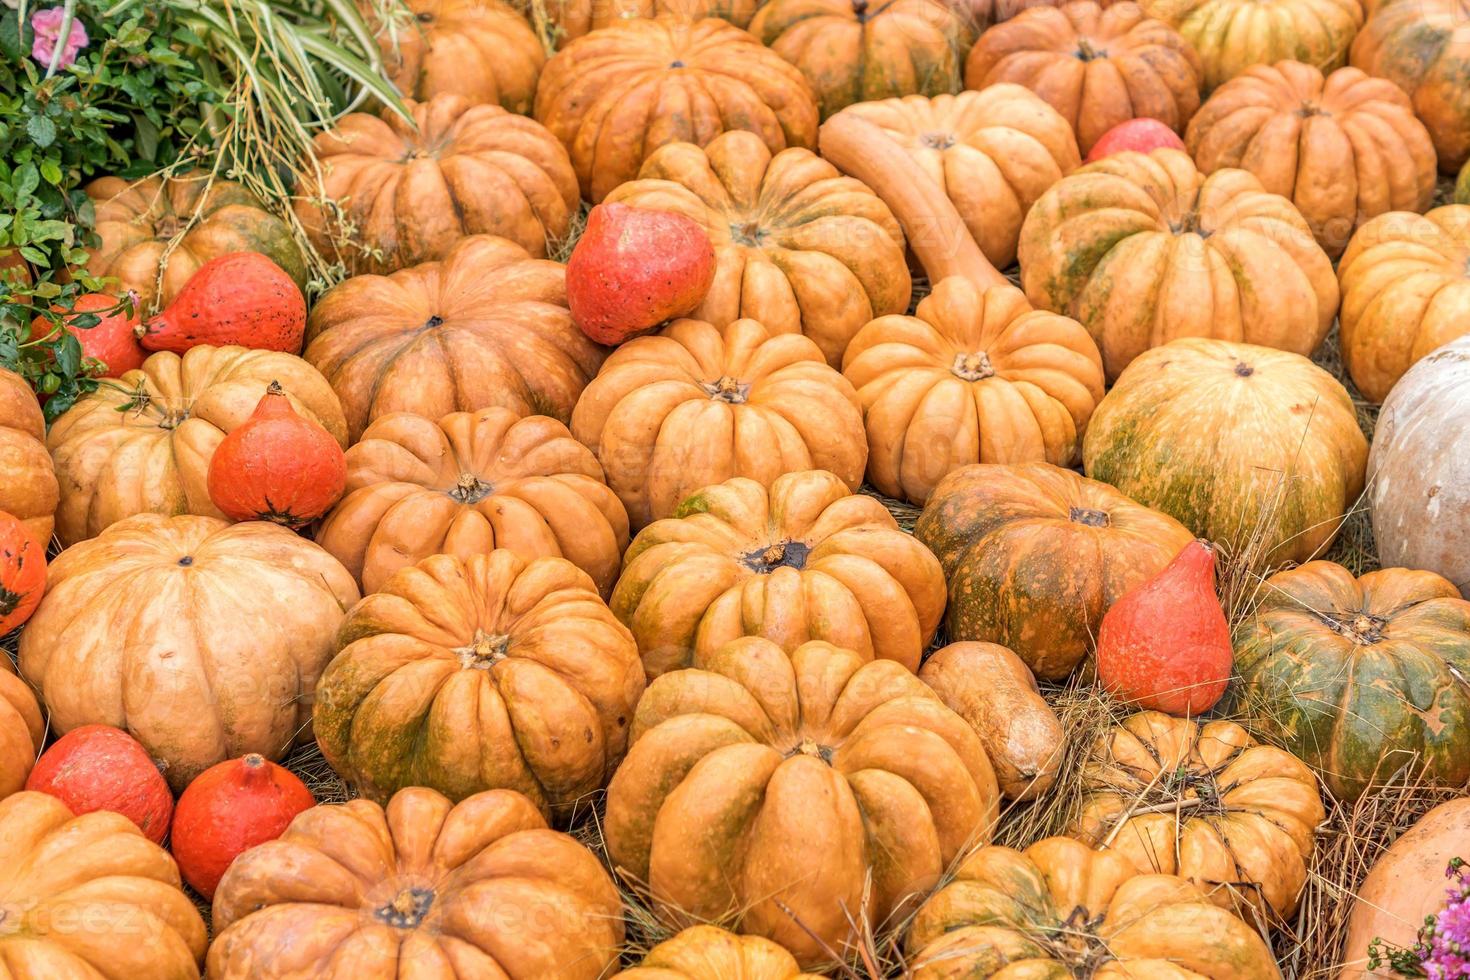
column 800, row 796
column 202, row 639
column 487, row 326
column 711, row 953
column 798, row 246
column 468, row 484
column 29, row 491
column 22, row 729
column 617, row 94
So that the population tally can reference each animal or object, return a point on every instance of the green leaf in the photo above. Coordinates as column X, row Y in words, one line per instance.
column 51, row 171
column 42, row 130
column 69, row 354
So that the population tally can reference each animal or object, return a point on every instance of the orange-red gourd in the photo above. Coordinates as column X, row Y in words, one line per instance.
column 98, row 767
column 22, row 572
column 1142, row 134
column 1165, row 646
column 241, row 298
column 113, row 340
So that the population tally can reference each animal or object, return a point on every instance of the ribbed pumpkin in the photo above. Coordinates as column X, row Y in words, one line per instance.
column 1061, row 909
column 798, row 246
column 137, row 222
column 1255, row 449
column 22, row 730
column 218, row 660
column 797, row 795
column 571, row 19
column 90, row 897
column 992, row 153
column 393, row 194
column 1143, row 249
column 29, row 491
column 22, row 572
column 487, row 326
column 975, row 375
column 1206, row 802
column 692, row 406
column 1097, row 67
column 468, row 484
column 1035, row 554
column 864, row 50
column 424, row 889
column 617, row 94
column 1405, row 282
column 712, row 953
column 481, row 49
column 1361, row 677
column 143, row 444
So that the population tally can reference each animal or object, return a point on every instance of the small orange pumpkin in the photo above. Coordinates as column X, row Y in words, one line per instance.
column 22, row 572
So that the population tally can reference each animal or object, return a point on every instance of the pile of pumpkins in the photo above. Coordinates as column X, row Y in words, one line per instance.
column 518, row 543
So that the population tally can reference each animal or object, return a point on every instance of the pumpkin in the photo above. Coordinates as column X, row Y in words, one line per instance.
column 1143, row 249
column 482, row 50
column 1423, row 47
column 1405, row 291
column 1343, row 148
column 391, row 193
column 22, row 572
column 88, row 896
column 242, row 298
column 802, row 560
column 1360, row 676
column 1035, row 555
column 975, row 375
column 617, row 94
column 1206, row 802
column 1254, row 449
column 860, row 51
column 711, row 953
column 802, row 796
column 1097, row 67
column 1142, row 134
column 1419, row 468
column 219, row 661
column 1232, row 35
column 1061, row 909
column 487, row 326
column 490, row 672
column 155, row 233
column 570, row 19
column 424, row 888
column 112, row 341
column 693, row 406
column 98, row 767
column 798, row 246
column 29, row 491
column 143, row 444
column 468, row 484
column 22, row 730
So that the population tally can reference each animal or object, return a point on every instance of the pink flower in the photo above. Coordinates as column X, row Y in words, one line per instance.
column 47, row 26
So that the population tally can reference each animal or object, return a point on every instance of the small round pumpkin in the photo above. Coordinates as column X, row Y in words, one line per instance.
column 1035, row 555
column 29, row 491
column 22, row 572
column 220, row 659
column 975, row 375
column 799, row 796
column 1061, row 909
column 424, row 889
column 487, row 326
column 1143, row 249
column 143, row 444
column 1206, row 802
column 22, row 730
column 1405, row 291
column 804, row 560
column 1254, row 449
column 1098, row 67
column 712, row 953
column 490, row 672
column 617, row 94
column 483, row 50
column 393, row 194
column 692, row 406
column 798, row 246
column 468, row 484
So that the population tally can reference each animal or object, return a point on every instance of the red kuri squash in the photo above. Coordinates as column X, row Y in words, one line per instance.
column 22, row 572
column 242, row 298
column 98, row 767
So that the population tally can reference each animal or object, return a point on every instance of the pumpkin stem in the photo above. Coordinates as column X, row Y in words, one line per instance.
column 810, row 746
column 726, row 389
column 407, row 909
column 746, row 233
column 1088, row 516
column 485, row 651
column 937, row 141
column 1086, row 51
column 470, row 489
column 782, row 554
column 1362, row 628
column 972, row 367
column 1244, row 370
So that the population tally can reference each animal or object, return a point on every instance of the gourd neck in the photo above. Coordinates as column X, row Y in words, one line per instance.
column 470, row 489
column 484, row 651
column 782, row 554
column 975, row 366
column 407, row 909
column 731, row 391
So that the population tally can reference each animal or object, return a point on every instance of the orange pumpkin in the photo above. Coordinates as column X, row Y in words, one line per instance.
column 22, row 730
column 29, row 490
column 22, row 572
column 711, row 953
column 570, row 19
column 481, row 49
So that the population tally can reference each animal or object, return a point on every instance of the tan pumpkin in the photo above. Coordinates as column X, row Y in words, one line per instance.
column 219, row 661
column 29, row 491
column 89, row 897
column 1343, row 148
column 143, row 444
column 570, row 19
column 22, row 729
column 1098, row 67
column 692, row 406
column 487, row 326
column 712, row 953
column 617, row 94
column 387, row 194
column 423, row 889
column 1405, row 282
column 1144, row 249
column 974, row 376
column 804, row 560
column 798, row 246
column 800, row 796
column 483, row 50
column 468, row 484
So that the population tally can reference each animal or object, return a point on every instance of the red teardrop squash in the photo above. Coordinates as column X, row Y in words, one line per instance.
column 98, row 767
column 113, row 340
column 242, row 298
column 22, row 729
column 22, row 572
